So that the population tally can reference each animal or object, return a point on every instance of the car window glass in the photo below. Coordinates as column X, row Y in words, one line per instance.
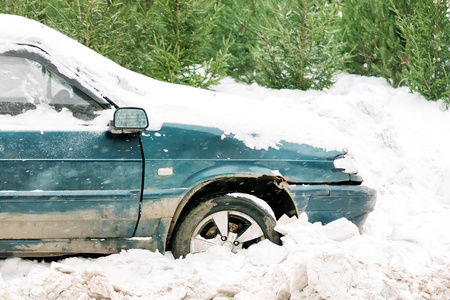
column 26, row 84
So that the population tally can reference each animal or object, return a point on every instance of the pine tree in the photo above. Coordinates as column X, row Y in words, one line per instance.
column 235, row 22
column 33, row 9
column 427, row 49
column 179, row 43
column 98, row 24
column 372, row 37
column 297, row 46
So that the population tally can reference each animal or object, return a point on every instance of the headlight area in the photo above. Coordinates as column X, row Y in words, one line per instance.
column 345, row 164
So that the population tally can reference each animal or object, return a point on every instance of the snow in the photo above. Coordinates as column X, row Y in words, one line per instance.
column 399, row 142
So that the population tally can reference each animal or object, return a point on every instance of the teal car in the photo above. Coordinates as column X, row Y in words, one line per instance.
column 79, row 174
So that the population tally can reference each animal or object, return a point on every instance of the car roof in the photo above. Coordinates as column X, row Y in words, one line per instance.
column 72, row 59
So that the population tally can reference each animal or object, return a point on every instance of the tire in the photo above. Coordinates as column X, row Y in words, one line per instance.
column 235, row 222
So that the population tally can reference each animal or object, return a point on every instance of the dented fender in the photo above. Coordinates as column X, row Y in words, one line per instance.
column 230, row 170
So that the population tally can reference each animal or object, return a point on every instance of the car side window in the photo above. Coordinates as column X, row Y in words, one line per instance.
column 26, row 84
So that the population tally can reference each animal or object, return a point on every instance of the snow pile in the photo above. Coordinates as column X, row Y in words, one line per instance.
column 400, row 144
column 61, row 281
column 309, row 265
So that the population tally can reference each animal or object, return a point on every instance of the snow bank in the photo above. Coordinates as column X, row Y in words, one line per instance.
column 309, row 265
column 400, row 143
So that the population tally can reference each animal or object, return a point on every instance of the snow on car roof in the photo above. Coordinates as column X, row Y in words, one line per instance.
column 66, row 53
column 119, row 84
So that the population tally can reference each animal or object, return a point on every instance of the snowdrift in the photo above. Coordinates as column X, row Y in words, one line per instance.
column 400, row 142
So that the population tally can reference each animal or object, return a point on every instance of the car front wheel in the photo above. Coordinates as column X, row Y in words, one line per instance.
column 232, row 221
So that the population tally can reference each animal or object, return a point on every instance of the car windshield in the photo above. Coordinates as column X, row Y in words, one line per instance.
column 24, row 84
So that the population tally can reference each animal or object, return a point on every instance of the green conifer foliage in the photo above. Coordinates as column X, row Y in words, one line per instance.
column 427, row 49
column 179, row 43
column 97, row 24
column 236, row 19
column 297, row 45
column 372, row 37
column 33, row 9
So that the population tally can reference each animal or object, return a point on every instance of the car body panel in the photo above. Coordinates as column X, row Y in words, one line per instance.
column 59, row 247
column 196, row 154
column 69, row 184
column 326, row 203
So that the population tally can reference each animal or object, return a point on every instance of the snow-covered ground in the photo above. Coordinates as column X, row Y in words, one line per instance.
column 402, row 147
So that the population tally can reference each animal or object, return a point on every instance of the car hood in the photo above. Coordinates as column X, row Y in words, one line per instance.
column 209, row 152
column 182, row 141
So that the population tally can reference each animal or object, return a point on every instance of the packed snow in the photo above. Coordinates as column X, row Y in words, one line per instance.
column 399, row 141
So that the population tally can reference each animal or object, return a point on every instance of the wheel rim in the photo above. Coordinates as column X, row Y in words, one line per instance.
column 230, row 229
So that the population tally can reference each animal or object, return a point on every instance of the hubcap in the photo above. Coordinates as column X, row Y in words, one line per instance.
column 231, row 229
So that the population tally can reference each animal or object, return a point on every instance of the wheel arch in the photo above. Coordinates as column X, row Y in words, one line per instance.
column 265, row 187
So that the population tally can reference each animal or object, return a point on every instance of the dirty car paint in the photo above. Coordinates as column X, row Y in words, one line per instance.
column 69, row 185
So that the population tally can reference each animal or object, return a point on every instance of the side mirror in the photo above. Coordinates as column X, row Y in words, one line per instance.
column 128, row 120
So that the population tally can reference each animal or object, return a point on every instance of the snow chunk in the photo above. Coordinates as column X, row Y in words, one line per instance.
column 341, row 230
column 331, row 275
column 62, row 268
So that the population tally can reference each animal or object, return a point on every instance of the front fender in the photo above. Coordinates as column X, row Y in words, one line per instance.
column 243, row 169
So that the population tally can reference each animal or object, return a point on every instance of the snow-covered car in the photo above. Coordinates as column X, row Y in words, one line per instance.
column 81, row 172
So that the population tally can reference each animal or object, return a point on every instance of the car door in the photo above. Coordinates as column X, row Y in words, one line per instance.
column 63, row 174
